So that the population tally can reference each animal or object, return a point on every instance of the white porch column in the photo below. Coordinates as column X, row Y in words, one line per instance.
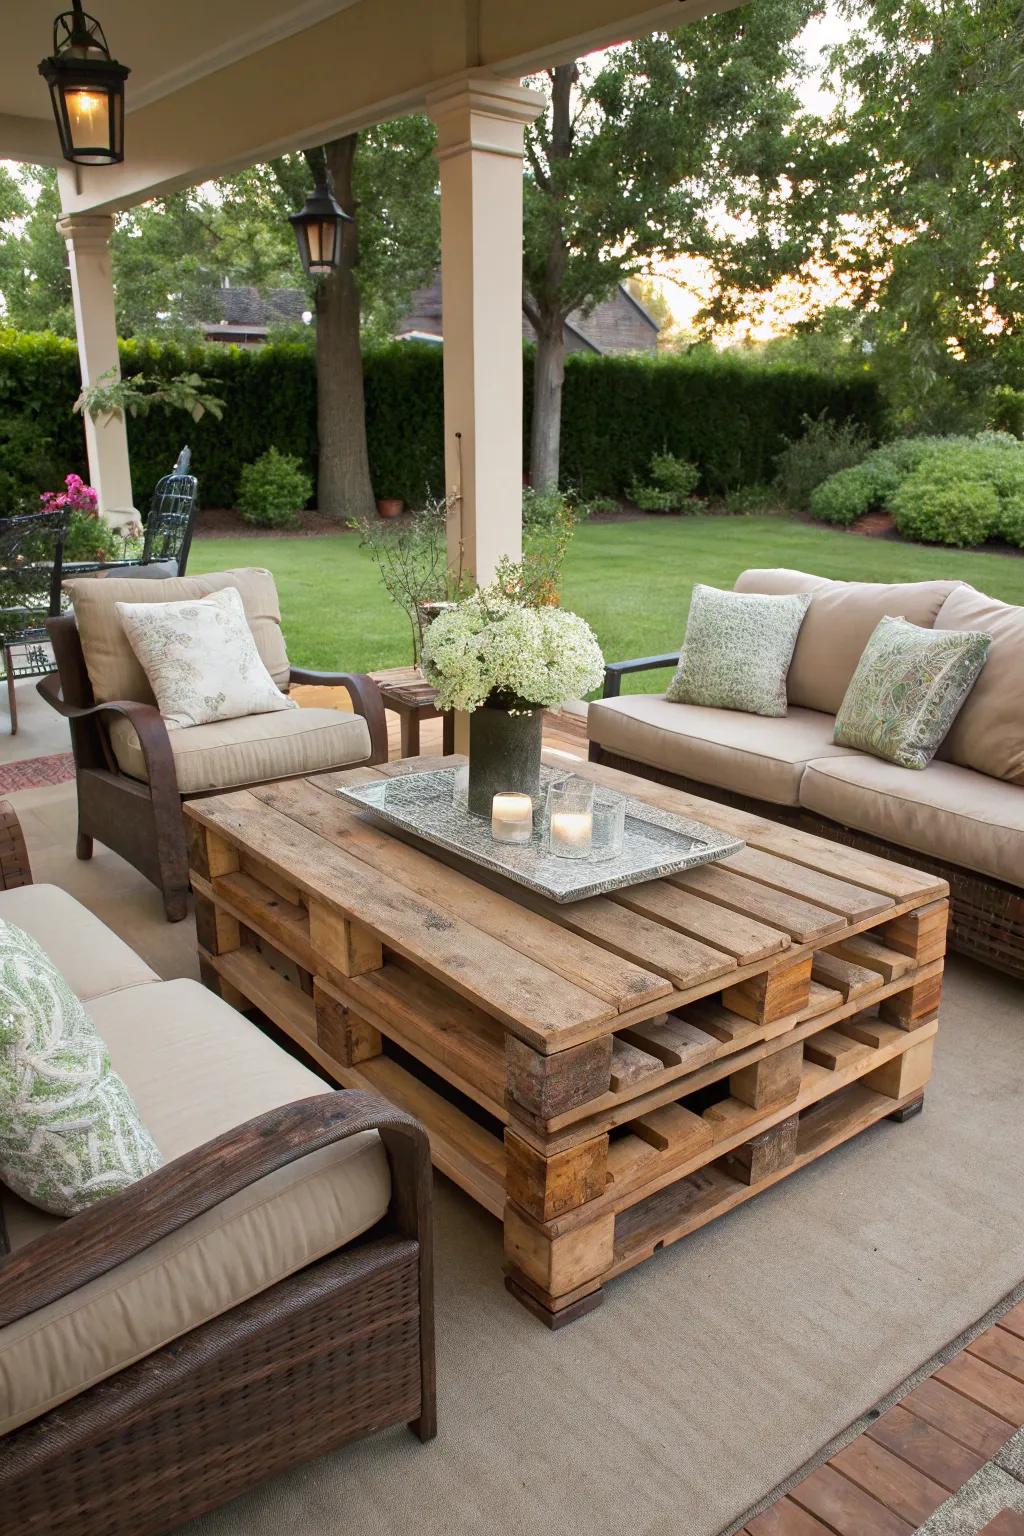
column 480, row 124
column 87, row 236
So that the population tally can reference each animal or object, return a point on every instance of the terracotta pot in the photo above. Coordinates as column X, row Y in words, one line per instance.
column 390, row 506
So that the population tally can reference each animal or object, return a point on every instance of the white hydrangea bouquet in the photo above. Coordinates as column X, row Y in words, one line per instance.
column 505, row 663
column 491, row 650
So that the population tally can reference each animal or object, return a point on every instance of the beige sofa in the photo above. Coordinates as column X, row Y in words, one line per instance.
column 962, row 816
column 260, row 1299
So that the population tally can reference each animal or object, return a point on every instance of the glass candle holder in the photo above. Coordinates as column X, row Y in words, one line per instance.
column 570, row 818
column 460, row 787
column 511, row 818
column 609, row 829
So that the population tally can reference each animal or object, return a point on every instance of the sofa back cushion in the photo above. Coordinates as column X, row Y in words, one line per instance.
column 988, row 733
column 115, row 671
column 840, row 619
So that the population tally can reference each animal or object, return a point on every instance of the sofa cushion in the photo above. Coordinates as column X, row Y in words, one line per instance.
column 737, row 650
column 947, row 811
column 115, row 671
column 201, row 659
column 907, row 690
column 988, row 733
column 196, row 1068
column 839, row 621
column 91, row 958
column 252, row 749
column 70, row 1134
column 746, row 754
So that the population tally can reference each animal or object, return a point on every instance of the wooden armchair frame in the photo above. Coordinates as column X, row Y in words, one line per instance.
column 143, row 821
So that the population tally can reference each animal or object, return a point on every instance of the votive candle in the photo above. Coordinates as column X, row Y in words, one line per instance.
column 511, row 818
column 571, row 833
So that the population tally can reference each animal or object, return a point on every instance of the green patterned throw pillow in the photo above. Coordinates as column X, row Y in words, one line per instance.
column 737, row 650
column 909, row 684
column 70, row 1134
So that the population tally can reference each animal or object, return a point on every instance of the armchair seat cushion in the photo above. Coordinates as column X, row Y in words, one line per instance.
column 950, row 812
column 196, row 1068
column 735, row 751
column 250, row 750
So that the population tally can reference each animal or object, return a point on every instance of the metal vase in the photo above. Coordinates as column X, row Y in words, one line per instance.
column 504, row 755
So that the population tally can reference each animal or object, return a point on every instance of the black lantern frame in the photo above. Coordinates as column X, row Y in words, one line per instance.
column 318, row 230
column 86, row 90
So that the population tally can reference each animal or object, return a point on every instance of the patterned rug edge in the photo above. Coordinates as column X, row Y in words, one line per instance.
column 36, row 772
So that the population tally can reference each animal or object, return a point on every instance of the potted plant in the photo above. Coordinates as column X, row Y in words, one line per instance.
column 505, row 663
column 390, row 506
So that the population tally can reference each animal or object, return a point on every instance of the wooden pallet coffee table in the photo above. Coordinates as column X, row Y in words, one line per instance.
column 607, row 1076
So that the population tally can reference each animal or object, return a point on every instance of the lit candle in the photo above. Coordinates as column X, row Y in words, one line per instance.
column 511, row 818
column 571, row 832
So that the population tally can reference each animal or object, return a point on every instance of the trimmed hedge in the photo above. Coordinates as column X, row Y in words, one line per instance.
column 729, row 416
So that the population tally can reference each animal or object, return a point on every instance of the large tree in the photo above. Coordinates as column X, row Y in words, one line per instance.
column 678, row 144
column 923, row 186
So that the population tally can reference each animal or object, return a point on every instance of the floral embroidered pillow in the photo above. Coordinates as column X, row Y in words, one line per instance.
column 737, row 650
column 201, row 659
column 70, row 1133
column 907, row 690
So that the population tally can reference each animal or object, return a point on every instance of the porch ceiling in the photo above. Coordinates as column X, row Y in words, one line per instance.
column 217, row 87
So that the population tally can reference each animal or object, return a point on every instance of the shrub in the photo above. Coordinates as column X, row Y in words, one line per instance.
column 26, row 463
column 273, row 489
column 931, row 487
column 752, row 501
column 672, row 483
column 960, row 512
column 826, row 448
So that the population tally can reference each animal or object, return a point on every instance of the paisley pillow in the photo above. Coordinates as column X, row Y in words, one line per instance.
column 737, row 650
column 907, row 690
column 70, row 1134
column 201, row 659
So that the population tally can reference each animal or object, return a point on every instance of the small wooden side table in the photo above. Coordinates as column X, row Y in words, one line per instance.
column 413, row 699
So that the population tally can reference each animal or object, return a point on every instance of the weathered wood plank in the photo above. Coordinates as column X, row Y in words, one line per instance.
column 630, row 1064
column 619, row 981
column 864, row 949
column 743, row 937
column 852, row 980
column 674, row 1041
column 803, row 921
column 850, row 901
column 673, row 1129
column 532, row 1001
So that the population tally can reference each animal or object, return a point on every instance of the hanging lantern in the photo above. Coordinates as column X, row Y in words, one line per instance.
column 86, row 90
column 318, row 226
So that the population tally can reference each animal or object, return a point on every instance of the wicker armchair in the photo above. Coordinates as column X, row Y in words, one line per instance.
column 136, row 809
column 338, row 1349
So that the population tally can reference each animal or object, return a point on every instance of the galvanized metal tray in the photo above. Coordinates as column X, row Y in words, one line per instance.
column 655, row 842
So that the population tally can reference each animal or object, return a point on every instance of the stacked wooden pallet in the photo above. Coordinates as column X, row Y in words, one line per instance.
column 607, row 1075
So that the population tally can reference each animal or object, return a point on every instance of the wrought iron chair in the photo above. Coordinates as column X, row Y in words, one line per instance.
column 31, row 570
column 172, row 513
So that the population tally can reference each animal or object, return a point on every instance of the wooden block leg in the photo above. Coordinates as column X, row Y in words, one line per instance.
column 346, row 947
column 773, row 994
column 557, row 1277
column 921, row 934
column 545, row 1186
column 909, row 1008
column 343, row 1034
column 218, row 933
column 904, row 1074
column 766, row 1153
column 775, row 1079
column 545, row 1086
column 908, row 1111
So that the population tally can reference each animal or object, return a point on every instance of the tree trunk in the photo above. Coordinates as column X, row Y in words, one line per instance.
column 546, row 309
column 345, row 490
column 546, row 427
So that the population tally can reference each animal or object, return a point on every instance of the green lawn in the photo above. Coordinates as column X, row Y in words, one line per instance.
column 632, row 580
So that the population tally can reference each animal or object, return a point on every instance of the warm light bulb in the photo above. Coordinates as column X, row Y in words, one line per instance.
column 86, row 114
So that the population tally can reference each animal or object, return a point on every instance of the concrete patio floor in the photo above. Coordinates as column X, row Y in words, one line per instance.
column 824, row 1281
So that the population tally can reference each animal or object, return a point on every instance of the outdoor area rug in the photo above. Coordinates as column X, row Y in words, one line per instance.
column 35, row 772
column 716, row 1370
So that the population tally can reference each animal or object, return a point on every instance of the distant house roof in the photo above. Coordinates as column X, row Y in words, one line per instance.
column 618, row 324
column 245, row 314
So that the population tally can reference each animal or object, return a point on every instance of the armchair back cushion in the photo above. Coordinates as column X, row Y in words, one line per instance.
column 115, row 671
column 839, row 621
